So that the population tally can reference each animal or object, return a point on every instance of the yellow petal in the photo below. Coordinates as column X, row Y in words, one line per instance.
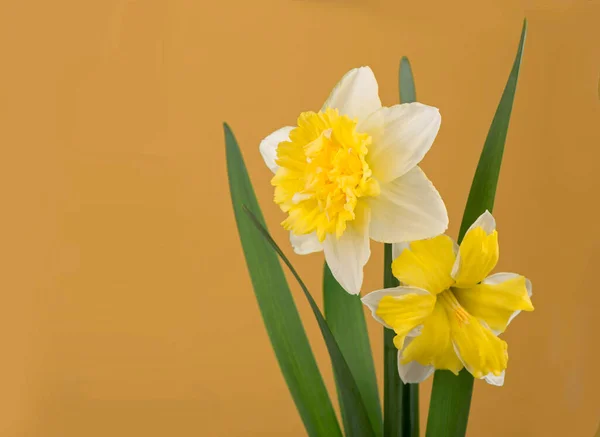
column 404, row 312
column 478, row 252
column 434, row 346
column 478, row 348
column 496, row 299
column 426, row 264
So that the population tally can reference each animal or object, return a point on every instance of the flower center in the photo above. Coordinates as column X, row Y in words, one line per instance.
column 480, row 350
column 323, row 173
column 453, row 307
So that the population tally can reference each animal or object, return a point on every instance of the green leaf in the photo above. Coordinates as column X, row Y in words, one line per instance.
column 485, row 181
column 451, row 395
column 346, row 319
column 355, row 411
column 408, row 93
column 401, row 401
column 277, row 306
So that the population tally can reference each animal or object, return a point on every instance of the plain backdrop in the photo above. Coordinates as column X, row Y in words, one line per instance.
column 126, row 307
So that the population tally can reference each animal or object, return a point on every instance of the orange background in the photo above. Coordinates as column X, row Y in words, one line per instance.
column 127, row 309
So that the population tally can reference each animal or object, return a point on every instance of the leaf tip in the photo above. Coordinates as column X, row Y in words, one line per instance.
column 230, row 141
column 405, row 65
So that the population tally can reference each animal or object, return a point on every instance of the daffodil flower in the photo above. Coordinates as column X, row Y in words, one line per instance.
column 349, row 172
column 448, row 312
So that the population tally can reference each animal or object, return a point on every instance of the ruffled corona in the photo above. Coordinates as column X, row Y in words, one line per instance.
column 323, row 173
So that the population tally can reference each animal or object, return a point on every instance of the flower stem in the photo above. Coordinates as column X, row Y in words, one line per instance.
column 450, row 400
column 400, row 401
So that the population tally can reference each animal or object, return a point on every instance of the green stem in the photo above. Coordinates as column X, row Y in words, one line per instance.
column 452, row 403
column 400, row 401
column 411, row 427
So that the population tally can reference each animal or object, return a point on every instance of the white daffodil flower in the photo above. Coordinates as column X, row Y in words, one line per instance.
column 349, row 173
column 448, row 313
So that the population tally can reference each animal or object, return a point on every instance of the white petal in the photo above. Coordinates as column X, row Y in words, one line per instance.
column 492, row 379
column 268, row 146
column 305, row 244
column 397, row 248
column 347, row 255
column 356, row 94
column 415, row 332
column 402, row 135
column 488, row 223
column 499, row 278
column 413, row 372
column 485, row 221
column 372, row 300
column 409, row 208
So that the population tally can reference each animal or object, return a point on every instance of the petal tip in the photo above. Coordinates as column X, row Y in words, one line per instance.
column 528, row 286
column 268, row 146
column 487, row 222
column 496, row 380
column 356, row 94
column 412, row 372
column 354, row 291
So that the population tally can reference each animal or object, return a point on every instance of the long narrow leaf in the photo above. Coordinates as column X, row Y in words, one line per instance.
column 485, row 181
column 451, row 395
column 277, row 306
column 357, row 417
column 346, row 319
column 401, row 401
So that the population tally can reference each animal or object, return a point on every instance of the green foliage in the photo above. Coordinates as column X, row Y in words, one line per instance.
column 358, row 424
column 346, row 319
column 277, row 306
column 451, row 395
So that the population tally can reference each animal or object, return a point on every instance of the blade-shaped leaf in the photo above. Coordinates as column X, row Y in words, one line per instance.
column 401, row 401
column 451, row 395
column 277, row 306
column 346, row 319
column 485, row 181
column 408, row 92
column 355, row 411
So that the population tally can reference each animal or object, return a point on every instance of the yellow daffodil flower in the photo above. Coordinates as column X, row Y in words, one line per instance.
column 448, row 312
column 349, row 172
